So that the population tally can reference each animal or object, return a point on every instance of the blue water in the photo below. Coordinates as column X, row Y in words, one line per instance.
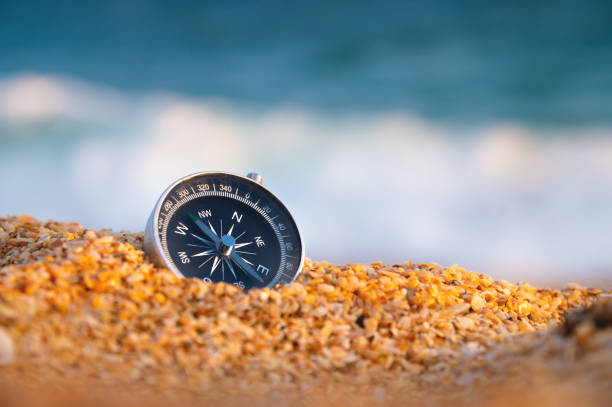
column 545, row 63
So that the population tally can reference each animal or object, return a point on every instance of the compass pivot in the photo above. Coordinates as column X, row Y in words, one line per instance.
column 226, row 244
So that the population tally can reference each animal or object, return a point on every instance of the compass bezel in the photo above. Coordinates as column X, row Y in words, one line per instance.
column 153, row 245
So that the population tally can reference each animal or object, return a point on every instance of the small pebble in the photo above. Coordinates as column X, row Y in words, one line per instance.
column 464, row 323
column 477, row 302
column 7, row 349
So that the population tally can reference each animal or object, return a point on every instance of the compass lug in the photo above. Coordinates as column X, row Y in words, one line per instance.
column 255, row 177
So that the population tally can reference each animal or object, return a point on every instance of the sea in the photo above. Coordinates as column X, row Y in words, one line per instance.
column 475, row 133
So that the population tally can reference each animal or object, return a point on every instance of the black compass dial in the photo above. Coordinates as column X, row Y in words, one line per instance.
column 222, row 227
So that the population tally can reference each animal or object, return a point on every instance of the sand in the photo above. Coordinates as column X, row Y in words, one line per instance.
column 86, row 318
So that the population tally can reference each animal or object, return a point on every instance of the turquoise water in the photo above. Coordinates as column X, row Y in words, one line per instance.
column 455, row 132
column 540, row 62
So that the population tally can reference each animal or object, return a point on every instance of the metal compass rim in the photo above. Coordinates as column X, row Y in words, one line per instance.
column 152, row 240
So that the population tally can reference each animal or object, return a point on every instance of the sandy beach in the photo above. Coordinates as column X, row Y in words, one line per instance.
column 85, row 317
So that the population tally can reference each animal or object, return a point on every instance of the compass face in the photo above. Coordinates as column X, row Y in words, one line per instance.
column 223, row 227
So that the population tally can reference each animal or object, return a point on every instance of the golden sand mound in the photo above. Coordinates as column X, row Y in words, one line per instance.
column 84, row 310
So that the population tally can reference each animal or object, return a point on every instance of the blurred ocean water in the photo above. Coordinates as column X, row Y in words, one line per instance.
column 457, row 132
column 474, row 60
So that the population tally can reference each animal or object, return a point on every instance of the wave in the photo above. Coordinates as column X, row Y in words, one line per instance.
column 505, row 198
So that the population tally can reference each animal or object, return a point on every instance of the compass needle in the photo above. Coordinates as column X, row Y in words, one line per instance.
column 246, row 261
column 231, row 268
column 244, row 265
column 202, row 239
column 202, row 227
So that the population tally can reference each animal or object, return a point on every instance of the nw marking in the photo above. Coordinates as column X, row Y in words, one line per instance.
column 204, row 214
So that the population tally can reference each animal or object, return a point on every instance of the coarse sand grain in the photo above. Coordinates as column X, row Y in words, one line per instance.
column 85, row 317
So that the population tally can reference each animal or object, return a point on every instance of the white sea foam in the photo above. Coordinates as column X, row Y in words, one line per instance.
column 505, row 198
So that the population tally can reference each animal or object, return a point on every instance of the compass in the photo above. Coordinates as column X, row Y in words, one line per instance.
column 217, row 226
